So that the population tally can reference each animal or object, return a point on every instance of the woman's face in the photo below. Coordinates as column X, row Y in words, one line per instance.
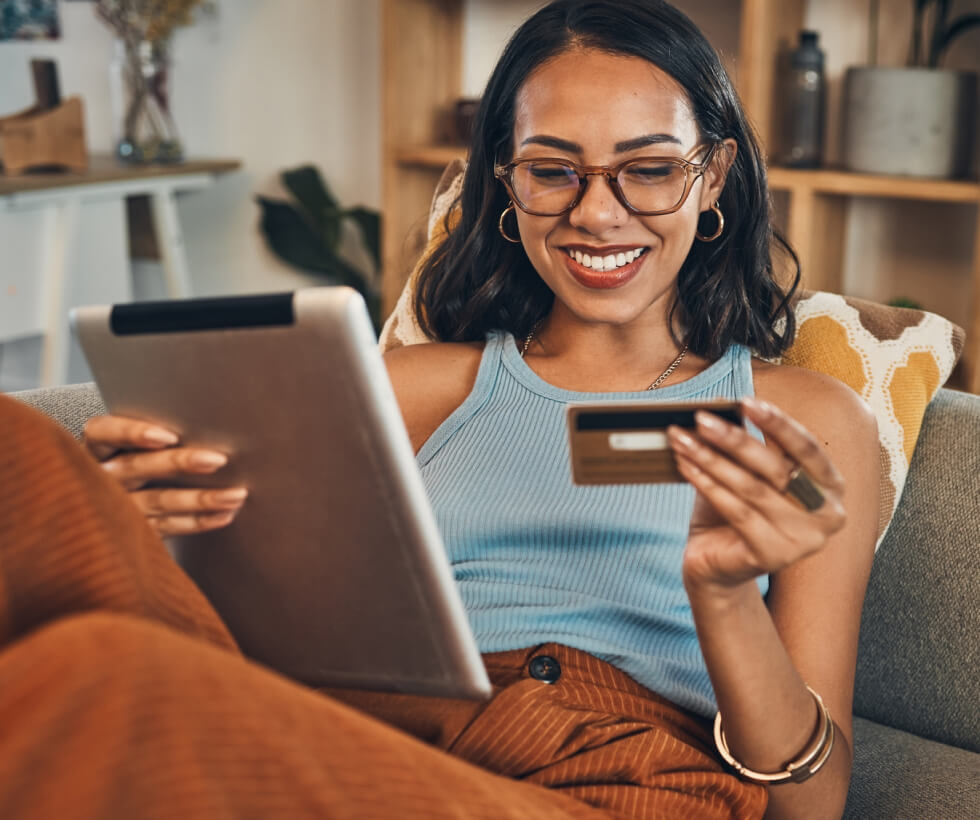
column 595, row 108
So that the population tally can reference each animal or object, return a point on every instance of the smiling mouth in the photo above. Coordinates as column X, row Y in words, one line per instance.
column 608, row 262
column 604, row 271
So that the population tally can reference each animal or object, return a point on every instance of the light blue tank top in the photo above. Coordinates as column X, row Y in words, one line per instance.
column 538, row 559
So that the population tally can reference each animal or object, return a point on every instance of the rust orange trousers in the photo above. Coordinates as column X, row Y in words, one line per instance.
column 122, row 695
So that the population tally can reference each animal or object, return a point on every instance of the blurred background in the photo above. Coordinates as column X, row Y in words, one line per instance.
column 367, row 92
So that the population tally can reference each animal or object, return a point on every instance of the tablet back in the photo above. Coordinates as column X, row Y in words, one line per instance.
column 333, row 572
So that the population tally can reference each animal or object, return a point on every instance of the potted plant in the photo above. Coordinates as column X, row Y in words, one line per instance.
column 306, row 231
column 919, row 119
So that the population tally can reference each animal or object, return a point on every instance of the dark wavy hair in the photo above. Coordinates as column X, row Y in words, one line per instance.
column 474, row 281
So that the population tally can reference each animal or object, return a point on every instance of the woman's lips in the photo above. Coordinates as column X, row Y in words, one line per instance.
column 602, row 279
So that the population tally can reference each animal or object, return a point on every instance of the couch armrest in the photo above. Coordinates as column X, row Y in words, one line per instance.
column 919, row 649
column 899, row 775
column 71, row 405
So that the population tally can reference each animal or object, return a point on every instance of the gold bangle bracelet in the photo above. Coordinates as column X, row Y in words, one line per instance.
column 803, row 767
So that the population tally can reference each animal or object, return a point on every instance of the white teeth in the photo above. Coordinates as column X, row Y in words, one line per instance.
column 606, row 263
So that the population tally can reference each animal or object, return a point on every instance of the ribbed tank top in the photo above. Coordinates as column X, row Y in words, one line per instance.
column 538, row 559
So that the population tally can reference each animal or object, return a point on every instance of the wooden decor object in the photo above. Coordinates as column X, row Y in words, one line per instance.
column 39, row 138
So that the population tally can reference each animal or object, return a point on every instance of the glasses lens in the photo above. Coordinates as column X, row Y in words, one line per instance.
column 544, row 187
column 652, row 184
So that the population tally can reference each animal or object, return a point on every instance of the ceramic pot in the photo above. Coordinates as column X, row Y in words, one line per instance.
column 909, row 121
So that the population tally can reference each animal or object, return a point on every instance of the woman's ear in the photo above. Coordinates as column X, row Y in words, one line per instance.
column 717, row 173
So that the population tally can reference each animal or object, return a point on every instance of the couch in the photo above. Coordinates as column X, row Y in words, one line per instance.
column 917, row 697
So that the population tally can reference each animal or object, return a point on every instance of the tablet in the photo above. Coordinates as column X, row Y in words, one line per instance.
column 334, row 572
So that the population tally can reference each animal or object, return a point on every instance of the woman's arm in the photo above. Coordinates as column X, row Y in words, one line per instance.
column 430, row 381
column 760, row 654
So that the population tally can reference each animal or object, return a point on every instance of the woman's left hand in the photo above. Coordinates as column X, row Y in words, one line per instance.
column 744, row 523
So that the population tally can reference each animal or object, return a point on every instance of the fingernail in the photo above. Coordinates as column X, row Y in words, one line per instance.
column 217, row 519
column 686, row 441
column 231, row 496
column 709, row 421
column 208, row 460
column 157, row 435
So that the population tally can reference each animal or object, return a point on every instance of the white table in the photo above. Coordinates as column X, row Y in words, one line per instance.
column 64, row 241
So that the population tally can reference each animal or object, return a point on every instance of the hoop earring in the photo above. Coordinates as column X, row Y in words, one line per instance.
column 500, row 224
column 721, row 225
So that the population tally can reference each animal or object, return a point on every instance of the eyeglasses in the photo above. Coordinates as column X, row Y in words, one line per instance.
column 647, row 186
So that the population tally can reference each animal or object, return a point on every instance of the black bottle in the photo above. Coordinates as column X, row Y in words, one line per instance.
column 802, row 104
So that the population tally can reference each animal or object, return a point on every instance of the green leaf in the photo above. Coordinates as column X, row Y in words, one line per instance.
column 306, row 233
column 316, row 201
column 293, row 240
column 369, row 223
column 905, row 302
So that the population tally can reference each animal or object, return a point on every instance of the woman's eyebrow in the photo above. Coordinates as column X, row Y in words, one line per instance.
column 553, row 142
column 620, row 147
column 642, row 142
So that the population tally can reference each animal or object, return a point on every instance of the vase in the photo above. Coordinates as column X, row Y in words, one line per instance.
column 144, row 128
column 909, row 121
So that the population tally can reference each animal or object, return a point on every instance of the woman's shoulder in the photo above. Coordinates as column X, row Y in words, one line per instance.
column 430, row 381
column 817, row 400
column 788, row 379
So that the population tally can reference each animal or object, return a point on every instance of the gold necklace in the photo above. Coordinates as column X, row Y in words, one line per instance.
column 656, row 382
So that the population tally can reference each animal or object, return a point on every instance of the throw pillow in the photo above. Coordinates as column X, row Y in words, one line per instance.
column 894, row 358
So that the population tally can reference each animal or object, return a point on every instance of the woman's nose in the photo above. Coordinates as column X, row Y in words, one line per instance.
column 600, row 208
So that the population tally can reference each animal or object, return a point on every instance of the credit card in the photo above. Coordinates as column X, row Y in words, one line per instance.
column 627, row 443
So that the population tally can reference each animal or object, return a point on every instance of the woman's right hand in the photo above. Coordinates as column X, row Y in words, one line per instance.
column 136, row 453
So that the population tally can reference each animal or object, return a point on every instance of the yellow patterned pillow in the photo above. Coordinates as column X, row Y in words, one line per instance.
column 894, row 358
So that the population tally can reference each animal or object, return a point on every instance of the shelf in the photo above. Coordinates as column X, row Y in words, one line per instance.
column 106, row 169
column 435, row 157
column 848, row 183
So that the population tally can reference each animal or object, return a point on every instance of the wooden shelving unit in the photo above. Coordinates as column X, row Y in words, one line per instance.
column 421, row 77
column 433, row 157
column 815, row 227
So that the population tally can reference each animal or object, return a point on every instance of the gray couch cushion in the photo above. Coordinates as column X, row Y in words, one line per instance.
column 920, row 634
column 898, row 776
column 71, row 405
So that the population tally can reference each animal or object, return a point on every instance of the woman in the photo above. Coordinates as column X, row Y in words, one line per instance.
column 614, row 243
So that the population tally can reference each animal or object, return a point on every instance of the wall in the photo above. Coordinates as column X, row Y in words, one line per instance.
column 273, row 84
column 276, row 84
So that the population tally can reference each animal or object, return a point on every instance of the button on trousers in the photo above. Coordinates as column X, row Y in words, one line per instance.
column 122, row 695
